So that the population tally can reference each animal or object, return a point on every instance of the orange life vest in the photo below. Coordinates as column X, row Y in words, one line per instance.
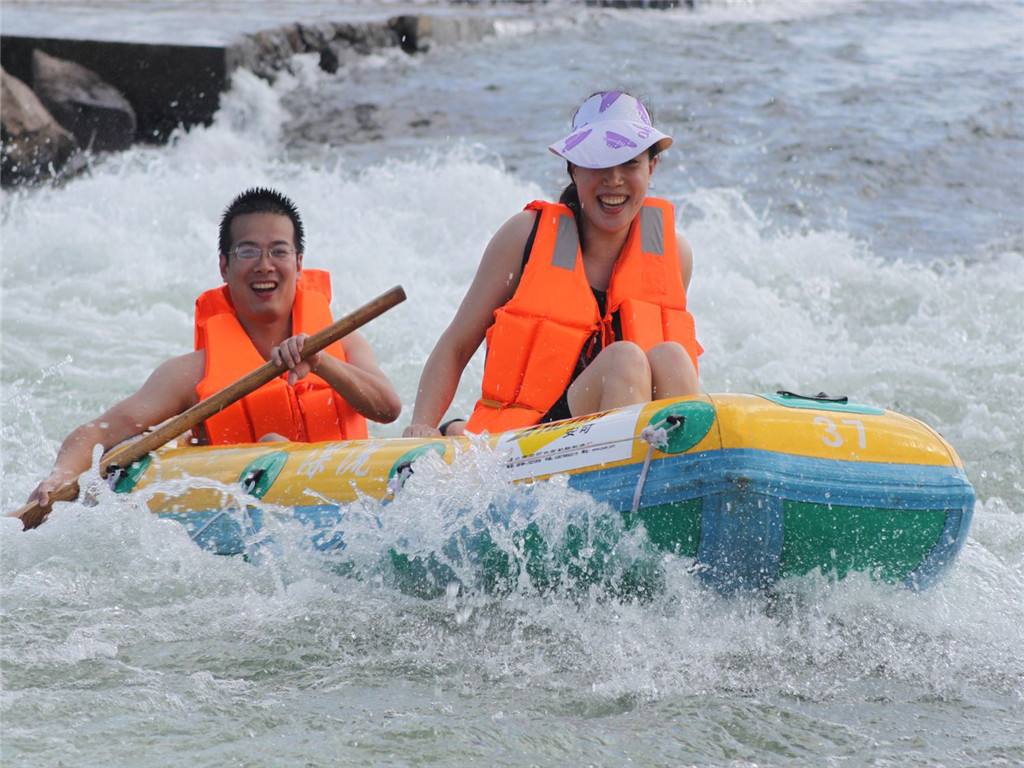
column 536, row 339
column 310, row 411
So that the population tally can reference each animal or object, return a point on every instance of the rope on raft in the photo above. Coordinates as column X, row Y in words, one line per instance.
column 655, row 437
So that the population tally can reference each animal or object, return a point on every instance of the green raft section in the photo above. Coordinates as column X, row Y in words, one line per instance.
column 831, row 540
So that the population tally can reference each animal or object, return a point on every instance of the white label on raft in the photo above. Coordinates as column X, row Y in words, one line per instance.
column 562, row 446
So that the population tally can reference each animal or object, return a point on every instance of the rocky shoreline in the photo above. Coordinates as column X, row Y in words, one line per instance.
column 65, row 98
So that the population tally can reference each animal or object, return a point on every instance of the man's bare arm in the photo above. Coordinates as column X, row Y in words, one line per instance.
column 168, row 391
column 361, row 381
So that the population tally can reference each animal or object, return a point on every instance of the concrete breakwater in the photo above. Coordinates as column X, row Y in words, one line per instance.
column 158, row 87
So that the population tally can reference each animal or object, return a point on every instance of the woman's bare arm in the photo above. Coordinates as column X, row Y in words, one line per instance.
column 496, row 280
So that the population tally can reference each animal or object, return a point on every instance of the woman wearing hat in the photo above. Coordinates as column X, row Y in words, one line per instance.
column 582, row 302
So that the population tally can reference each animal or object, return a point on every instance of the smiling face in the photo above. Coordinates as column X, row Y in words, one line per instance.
column 262, row 289
column 612, row 197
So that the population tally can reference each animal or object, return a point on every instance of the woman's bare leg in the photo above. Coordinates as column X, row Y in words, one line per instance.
column 672, row 371
column 619, row 375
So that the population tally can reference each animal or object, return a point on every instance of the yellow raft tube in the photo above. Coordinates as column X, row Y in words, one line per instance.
column 753, row 488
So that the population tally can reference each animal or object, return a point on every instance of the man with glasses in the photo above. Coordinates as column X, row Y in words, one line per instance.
column 265, row 310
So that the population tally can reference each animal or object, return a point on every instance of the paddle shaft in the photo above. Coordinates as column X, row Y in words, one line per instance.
column 123, row 455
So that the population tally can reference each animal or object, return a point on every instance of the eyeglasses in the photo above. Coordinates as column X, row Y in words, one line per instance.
column 253, row 252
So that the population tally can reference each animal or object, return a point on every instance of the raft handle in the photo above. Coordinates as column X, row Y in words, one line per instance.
column 402, row 472
column 821, row 397
column 115, row 474
column 252, row 480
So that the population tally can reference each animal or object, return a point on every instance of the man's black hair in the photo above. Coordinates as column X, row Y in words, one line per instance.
column 260, row 200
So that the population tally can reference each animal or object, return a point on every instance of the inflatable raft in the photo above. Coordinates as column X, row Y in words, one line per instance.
column 752, row 488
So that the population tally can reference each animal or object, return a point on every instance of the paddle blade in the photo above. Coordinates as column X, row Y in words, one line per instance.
column 33, row 514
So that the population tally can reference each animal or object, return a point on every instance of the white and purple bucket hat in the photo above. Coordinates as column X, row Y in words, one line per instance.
column 609, row 128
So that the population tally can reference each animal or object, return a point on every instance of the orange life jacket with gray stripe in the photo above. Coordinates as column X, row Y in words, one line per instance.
column 536, row 339
column 310, row 411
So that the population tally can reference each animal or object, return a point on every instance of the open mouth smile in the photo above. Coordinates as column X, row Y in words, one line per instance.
column 612, row 203
column 264, row 287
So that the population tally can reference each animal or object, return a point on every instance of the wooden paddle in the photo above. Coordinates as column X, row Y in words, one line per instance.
column 124, row 454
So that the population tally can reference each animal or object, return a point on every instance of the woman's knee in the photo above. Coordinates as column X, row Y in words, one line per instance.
column 628, row 361
column 672, row 370
column 619, row 375
column 668, row 354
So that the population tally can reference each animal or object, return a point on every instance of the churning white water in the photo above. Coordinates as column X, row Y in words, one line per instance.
column 849, row 175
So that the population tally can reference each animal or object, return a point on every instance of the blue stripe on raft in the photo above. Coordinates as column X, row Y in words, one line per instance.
column 743, row 491
column 794, row 478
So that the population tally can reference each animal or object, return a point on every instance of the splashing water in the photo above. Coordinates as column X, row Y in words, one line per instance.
column 121, row 637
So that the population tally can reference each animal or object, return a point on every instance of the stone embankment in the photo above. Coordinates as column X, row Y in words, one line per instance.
column 64, row 97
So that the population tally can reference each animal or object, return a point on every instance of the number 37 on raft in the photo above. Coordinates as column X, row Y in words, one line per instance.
column 832, row 436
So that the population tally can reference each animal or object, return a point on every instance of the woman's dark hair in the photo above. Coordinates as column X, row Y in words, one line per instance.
column 260, row 200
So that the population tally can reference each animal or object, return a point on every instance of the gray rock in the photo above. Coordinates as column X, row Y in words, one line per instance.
column 316, row 36
column 348, row 42
column 96, row 112
column 330, row 61
column 412, row 32
column 417, row 33
column 338, row 54
column 366, row 37
column 268, row 52
column 34, row 144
